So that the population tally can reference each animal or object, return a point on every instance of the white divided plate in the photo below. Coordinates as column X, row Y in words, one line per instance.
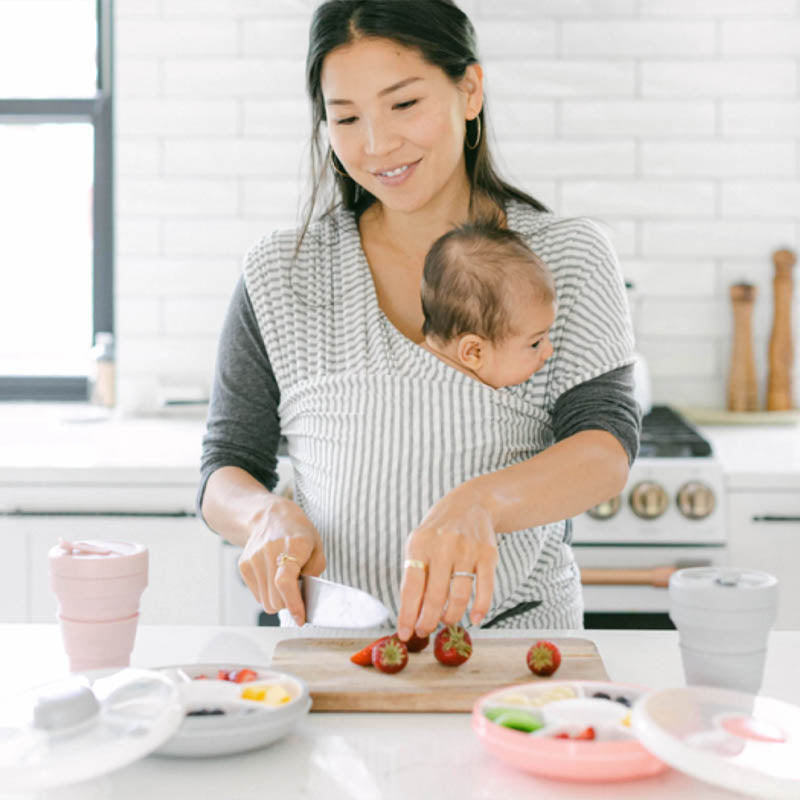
column 245, row 724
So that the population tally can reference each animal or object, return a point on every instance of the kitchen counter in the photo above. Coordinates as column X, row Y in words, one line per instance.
column 757, row 457
column 365, row 756
column 80, row 445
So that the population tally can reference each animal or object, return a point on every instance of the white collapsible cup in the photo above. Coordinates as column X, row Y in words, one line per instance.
column 723, row 616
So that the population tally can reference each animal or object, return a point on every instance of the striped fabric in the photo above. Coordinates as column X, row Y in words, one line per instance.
column 379, row 429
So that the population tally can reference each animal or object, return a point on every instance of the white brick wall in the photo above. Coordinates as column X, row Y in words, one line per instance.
column 676, row 123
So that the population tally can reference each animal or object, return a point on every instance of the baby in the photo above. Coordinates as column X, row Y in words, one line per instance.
column 489, row 303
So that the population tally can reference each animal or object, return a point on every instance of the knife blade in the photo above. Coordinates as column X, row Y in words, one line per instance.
column 335, row 605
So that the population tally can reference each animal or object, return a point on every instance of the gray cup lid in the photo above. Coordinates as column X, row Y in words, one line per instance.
column 729, row 588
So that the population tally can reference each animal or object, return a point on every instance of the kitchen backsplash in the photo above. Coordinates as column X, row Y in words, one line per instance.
column 674, row 122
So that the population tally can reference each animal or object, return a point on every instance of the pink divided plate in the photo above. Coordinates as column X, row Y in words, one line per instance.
column 567, row 730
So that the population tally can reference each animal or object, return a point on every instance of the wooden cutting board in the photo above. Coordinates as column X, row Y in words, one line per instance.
column 336, row 684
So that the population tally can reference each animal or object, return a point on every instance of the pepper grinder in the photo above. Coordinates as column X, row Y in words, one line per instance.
column 779, row 382
column 742, row 386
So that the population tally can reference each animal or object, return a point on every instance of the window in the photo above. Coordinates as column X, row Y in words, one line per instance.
column 56, row 263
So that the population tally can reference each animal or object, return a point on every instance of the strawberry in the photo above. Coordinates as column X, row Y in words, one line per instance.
column 417, row 643
column 364, row 656
column 586, row 733
column 543, row 658
column 242, row 675
column 389, row 654
column 452, row 646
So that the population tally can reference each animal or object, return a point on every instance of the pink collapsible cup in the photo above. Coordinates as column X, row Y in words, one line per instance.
column 98, row 585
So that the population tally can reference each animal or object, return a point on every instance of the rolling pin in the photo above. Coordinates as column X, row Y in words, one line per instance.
column 779, row 381
column 742, row 385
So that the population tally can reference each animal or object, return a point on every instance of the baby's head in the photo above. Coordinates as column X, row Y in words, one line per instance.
column 489, row 302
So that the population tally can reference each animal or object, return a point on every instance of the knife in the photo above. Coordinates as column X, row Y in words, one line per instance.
column 334, row 605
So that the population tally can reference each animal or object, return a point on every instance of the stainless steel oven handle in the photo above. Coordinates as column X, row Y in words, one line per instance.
column 634, row 576
column 775, row 518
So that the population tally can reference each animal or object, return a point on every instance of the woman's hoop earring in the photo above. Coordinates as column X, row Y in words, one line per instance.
column 335, row 168
column 477, row 138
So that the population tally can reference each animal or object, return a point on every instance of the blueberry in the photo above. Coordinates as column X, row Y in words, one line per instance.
column 206, row 712
column 602, row 695
column 623, row 700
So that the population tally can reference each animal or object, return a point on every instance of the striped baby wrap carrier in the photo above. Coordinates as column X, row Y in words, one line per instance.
column 379, row 429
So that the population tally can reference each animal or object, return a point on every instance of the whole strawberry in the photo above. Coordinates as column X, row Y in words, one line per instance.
column 389, row 654
column 452, row 646
column 543, row 658
column 417, row 643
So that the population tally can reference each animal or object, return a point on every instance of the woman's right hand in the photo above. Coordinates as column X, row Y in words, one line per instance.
column 281, row 527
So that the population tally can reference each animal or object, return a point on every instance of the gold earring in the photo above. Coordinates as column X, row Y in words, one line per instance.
column 477, row 138
column 335, row 168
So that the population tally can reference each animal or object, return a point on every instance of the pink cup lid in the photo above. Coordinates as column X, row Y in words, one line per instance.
column 97, row 558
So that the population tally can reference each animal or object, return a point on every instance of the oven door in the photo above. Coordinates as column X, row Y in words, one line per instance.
column 626, row 586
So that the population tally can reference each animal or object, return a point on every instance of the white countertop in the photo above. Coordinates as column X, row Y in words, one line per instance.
column 365, row 756
column 757, row 456
column 78, row 444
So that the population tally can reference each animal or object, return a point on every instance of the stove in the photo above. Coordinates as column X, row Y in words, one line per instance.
column 670, row 515
column 674, row 492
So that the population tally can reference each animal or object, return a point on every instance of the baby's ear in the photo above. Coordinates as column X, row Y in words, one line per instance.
column 471, row 350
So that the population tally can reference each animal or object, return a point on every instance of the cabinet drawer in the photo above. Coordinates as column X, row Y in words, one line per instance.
column 764, row 533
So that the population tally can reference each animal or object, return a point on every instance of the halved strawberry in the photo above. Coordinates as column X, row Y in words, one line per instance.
column 452, row 646
column 364, row 656
column 543, row 658
column 389, row 654
column 586, row 733
column 242, row 675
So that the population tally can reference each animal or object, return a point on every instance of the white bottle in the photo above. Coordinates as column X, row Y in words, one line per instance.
column 101, row 373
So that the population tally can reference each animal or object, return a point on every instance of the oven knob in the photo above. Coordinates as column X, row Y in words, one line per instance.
column 696, row 500
column 605, row 510
column 649, row 500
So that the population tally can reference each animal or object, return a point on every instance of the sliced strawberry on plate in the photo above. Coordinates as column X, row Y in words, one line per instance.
column 586, row 733
column 543, row 658
column 242, row 675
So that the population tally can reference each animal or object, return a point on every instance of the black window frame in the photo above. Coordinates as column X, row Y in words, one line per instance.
column 98, row 111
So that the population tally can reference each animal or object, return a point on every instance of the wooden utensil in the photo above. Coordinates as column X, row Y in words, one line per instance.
column 742, row 386
column 779, row 381
column 336, row 684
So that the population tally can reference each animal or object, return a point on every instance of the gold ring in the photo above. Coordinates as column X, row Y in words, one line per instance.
column 463, row 575
column 284, row 557
column 414, row 562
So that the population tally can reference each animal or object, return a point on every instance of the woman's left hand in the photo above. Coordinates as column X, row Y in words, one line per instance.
column 457, row 535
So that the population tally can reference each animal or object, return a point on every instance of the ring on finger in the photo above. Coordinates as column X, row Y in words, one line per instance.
column 414, row 562
column 460, row 574
column 284, row 557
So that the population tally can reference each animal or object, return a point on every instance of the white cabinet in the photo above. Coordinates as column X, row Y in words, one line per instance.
column 764, row 534
column 14, row 583
column 184, row 563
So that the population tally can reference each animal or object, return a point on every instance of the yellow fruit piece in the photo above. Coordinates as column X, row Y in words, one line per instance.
column 254, row 693
column 626, row 720
column 276, row 696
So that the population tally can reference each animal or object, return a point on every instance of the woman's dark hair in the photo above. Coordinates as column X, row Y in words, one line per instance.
column 471, row 273
column 445, row 38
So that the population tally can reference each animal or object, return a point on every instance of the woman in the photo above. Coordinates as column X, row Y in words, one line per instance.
column 413, row 481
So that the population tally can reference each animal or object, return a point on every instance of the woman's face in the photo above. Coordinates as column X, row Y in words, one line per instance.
column 396, row 122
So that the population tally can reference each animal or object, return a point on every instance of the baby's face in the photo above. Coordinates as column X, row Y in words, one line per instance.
column 514, row 360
